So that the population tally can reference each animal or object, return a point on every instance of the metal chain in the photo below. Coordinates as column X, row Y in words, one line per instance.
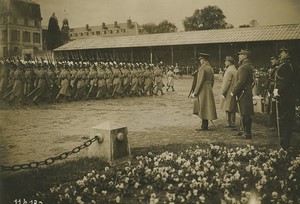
column 50, row 160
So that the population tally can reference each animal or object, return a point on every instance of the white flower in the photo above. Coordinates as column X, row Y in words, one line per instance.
column 118, row 199
column 136, row 185
column 202, row 199
column 104, row 192
column 274, row 194
column 106, row 168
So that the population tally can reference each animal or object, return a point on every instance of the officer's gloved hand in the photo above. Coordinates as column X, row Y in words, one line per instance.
column 193, row 95
column 275, row 93
column 223, row 96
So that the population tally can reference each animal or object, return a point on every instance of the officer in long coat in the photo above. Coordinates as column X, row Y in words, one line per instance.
column 243, row 92
column 204, row 102
column 284, row 93
column 228, row 102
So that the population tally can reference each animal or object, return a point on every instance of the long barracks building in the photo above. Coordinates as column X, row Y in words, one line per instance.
column 182, row 47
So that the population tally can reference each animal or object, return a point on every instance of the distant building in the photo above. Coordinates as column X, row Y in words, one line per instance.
column 107, row 30
column 20, row 27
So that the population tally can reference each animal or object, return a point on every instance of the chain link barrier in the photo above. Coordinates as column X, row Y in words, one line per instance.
column 50, row 160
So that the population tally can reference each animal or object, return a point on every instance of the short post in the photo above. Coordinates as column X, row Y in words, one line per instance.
column 113, row 146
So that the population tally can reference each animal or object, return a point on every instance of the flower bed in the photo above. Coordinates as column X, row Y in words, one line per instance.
column 212, row 175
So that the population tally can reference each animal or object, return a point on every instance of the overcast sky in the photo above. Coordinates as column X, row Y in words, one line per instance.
column 237, row 12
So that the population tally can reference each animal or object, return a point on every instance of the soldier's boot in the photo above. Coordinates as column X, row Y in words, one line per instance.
column 167, row 88
column 173, row 88
column 162, row 93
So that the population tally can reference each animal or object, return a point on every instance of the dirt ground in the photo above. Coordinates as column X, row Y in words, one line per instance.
column 34, row 133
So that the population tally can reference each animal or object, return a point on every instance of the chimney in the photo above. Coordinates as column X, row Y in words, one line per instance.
column 129, row 23
column 87, row 27
column 103, row 26
column 115, row 24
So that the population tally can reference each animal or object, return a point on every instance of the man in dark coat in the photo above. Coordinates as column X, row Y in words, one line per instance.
column 243, row 92
column 284, row 93
column 204, row 102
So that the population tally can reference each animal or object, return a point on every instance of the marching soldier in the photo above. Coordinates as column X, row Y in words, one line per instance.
column 73, row 81
column 81, row 78
column 65, row 78
column 170, row 79
column 158, row 80
column 284, row 93
column 117, row 82
column 109, row 80
column 4, row 77
column 243, row 92
column 204, row 102
column 30, row 78
column 42, row 81
column 18, row 87
column 148, row 83
column 93, row 82
column 53, row 88
column 126, row 80
column 101, row 83
column 134, row 81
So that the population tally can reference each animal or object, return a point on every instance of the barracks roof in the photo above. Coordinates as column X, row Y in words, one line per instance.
column 249, row 34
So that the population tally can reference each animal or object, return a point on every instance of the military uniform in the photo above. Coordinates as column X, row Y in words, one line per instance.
column 158, row 80
column 4, row 77
column 18, row 87
column 204, row 102
column 81, row 77
column 243, row 90
column 101, row 83
column 284, row 92
column 228, row 102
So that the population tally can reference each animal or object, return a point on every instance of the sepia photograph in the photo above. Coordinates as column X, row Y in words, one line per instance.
column 149, row 101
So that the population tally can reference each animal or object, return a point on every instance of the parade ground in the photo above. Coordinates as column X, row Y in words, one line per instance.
column 33, row 133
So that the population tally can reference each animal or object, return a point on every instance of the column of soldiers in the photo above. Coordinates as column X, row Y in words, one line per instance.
column 67, row 80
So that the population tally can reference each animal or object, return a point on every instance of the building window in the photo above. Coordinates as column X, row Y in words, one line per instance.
column 36, row 23
column 97, row 32
column 117, row 31
column 141, row 30
column 75, row 34
column 26, row 36
column 81, row 34
column 15, row 20
column 15, row 35
column 86, row 33
column 123, row 30
column 110, row 31
column 4, row 20
column 26, row 21
column 4, row 35
column 70, row 35
column 104, row 32
column 36, row 38
column 92, row 33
